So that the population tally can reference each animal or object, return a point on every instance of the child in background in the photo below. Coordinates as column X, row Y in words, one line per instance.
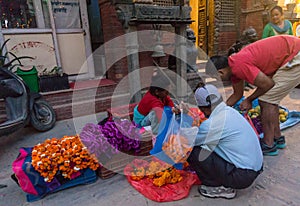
column 150, row 109
column 277, row 25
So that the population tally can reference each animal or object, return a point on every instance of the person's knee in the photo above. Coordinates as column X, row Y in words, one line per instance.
column 242, row 179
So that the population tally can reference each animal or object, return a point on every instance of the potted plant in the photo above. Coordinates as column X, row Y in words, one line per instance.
column 53, row 80
column 9, row 61
column 6, row 62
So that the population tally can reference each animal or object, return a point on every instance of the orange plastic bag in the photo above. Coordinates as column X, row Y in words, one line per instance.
column 165, row 193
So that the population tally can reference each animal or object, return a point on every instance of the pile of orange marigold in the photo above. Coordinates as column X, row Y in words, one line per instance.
column 66, row 155
column 161, row 174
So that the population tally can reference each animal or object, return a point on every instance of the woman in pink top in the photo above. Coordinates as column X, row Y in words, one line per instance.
column 273, row 66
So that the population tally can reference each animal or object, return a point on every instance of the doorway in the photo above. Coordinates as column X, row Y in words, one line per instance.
column 97, row 39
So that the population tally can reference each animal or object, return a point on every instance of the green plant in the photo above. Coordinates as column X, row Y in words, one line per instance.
column 10, row 63
column 55, row 71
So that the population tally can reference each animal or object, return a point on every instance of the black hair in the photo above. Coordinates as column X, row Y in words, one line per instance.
column 199, row 85
column 215, row 63
column 153, row 89
column 279, row 8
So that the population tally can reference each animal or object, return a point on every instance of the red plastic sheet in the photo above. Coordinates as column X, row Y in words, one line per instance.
column 165, row 193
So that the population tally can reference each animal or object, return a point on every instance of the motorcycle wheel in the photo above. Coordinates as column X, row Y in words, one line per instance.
column 45, row 123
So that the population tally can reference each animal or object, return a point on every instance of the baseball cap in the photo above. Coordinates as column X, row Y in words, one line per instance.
column 207, row 95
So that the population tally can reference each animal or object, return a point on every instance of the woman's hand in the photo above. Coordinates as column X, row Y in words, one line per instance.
column 176, row 110
column 185, row 107
column 182, row 107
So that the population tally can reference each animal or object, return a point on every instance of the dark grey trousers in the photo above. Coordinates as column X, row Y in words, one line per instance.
column 214, row 171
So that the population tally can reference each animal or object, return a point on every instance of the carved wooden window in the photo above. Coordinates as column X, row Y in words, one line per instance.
column 227, row 13
column 164, row 2
column 202, row 21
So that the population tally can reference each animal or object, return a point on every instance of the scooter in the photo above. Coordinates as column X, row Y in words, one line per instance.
column 22, row 106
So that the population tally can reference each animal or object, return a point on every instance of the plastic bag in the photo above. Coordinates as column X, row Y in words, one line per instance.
column 162, row 131
column 179, row 139
column 165, row 193
column 197, row 115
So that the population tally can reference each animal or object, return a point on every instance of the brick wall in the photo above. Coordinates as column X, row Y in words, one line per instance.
column 252, row 16
column 226, row 39
column 255, row 20
column 112, row 28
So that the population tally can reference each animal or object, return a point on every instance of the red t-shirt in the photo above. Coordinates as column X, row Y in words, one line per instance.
column 150, row 102
column 266, row 55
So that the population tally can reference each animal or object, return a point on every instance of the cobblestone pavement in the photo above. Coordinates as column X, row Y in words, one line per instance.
column 279, row 184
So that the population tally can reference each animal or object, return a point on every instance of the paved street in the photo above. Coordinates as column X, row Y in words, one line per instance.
column 279, row 184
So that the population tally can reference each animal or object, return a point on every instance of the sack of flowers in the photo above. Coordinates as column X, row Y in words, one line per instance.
column 115, row 144
column 53, row 165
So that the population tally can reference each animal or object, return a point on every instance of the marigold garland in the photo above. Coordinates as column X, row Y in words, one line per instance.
column 160, row 173
column 67, row 156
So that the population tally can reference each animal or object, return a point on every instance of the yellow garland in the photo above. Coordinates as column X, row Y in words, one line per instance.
column 161, row 174
column 67, row 155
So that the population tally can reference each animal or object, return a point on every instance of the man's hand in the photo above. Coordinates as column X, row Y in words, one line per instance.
column 246, row 105
column 238, row 91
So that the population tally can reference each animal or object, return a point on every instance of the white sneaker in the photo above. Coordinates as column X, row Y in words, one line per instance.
column 215, row 192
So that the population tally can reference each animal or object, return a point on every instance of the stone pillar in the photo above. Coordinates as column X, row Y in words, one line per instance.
column 132, row 49
column 181, row 66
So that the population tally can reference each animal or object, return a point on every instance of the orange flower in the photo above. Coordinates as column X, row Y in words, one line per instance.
column 160, row 173
column 58, row 154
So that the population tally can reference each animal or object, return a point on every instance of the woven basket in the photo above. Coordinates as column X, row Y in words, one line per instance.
column 118, row 162
column 123, row 112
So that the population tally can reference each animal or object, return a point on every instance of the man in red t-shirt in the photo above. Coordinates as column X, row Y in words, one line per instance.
column 273, row 66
